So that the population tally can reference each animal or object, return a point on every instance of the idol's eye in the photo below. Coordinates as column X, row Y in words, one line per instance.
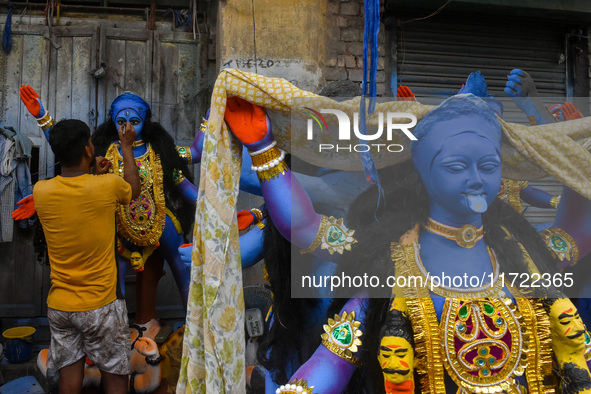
column 135, row 121
column 455, row 167
column 489, row 167
column 121, row 121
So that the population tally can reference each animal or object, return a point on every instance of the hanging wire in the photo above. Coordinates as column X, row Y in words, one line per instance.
column 437, row 11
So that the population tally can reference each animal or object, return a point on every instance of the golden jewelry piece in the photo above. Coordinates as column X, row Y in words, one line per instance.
column 511, row 193
column 465, row 236
column 266, row 148
column 266, row 156
column 142, row 220
column 299, row 386
column 268, row 162
column 555, row 202
column 332, row 235
column 46, row 121
column 318, row 238
column 138, row 143
column 532, row 346
column 532, row 120
column 341, row 336
column 44, row 118
column 494, row 288
column 561, row 244
column 476, row 352
column 185, row 153
column 178, row 177
column 259, row 215
column 266, row 175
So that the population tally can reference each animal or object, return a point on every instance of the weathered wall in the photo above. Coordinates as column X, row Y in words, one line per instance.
column 310, row 43
column 289, row 39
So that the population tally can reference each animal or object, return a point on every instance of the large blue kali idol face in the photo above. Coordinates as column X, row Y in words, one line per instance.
column 131, row 108
column 130, row 115
column 458, row 158
column 464, row 176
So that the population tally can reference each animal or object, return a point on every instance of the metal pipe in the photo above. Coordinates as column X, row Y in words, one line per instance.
column 89, row 8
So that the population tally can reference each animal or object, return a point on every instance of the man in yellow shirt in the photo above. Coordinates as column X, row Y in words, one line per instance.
column 77, row 212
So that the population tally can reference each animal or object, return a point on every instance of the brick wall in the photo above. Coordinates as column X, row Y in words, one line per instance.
column 344, row 44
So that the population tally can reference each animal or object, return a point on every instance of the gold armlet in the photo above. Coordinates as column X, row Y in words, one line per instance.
column 532, row 120
column 45, row 122
column 268, row 162
column 185, row 153
column 341, row 336
column 555, row 201
column 178, row 177
column 299, row 386
column 561, row 244
column 332, row 235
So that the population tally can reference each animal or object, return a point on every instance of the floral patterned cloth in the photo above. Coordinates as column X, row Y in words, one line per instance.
column 214, row 346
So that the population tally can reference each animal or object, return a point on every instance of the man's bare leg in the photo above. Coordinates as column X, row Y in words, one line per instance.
column 71, row 378
column 116, row 384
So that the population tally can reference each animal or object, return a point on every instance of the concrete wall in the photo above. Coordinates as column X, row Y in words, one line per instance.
column 310, row 43
column 289, row 39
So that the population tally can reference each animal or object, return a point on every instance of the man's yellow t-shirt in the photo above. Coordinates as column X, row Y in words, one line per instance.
column 78, row 219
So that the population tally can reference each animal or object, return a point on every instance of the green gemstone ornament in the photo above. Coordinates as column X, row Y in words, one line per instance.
column 463, row 311
column 558, row 243
column 342, row 334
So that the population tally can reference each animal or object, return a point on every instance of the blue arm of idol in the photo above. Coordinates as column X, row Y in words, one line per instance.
column 287, row 202
column 536, row 197
column 292, row 211
column 188, row 190
column 521, row 88
column 196, row 147
column 249, row 182
column 251, row 246
column 574, row 216
column 32, row 101
column 326, row 371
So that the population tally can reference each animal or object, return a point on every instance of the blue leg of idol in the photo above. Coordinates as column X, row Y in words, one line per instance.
column 169, row 244
column 123, row 267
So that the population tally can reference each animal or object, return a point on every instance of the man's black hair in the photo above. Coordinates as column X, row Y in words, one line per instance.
column 67, row 139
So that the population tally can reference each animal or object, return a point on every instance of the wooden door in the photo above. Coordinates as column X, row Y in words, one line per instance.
column 23, row 281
